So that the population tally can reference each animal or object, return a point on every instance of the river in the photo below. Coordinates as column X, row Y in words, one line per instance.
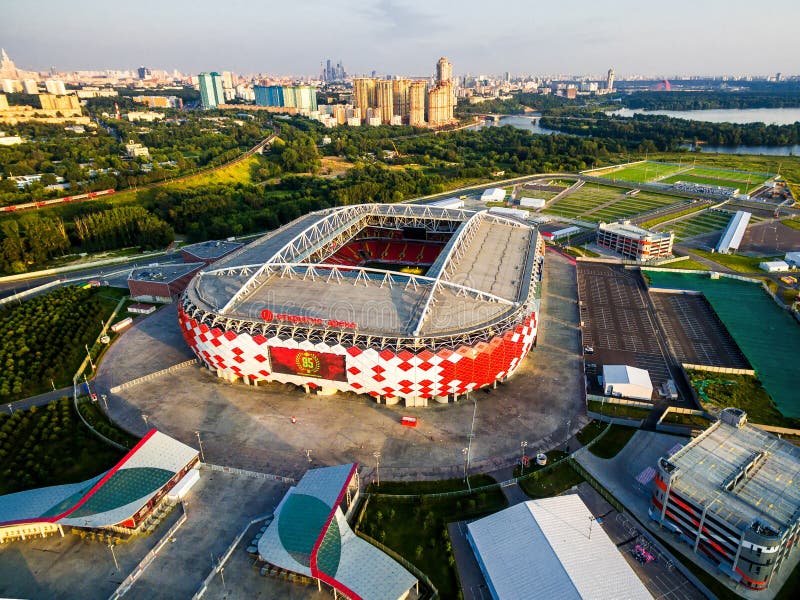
column 770, row 116
column 528, row 123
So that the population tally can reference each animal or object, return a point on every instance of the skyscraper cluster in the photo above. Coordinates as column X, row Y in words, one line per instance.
column 406, row 101
column 331, row 73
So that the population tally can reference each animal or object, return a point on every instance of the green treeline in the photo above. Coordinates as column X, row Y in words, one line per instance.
column 707, row 100
column 30, row 240
column 658, row 132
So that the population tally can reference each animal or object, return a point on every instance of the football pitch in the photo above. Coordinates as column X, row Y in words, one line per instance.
column 593, row 202
column 656, row 172
column 640, row 172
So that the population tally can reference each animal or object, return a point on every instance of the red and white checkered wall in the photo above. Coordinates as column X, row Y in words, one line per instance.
column 378, row 373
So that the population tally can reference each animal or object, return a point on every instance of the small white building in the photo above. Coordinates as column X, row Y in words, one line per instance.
column 774, row 266
column 793, row 259
column 532, row 202
column 493, row 195
column 627, row 382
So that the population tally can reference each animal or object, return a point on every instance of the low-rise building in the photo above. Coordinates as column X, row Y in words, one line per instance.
column 733, row 495
column 134, row 149
column 161, row 282
column 734, row 232
column 627, row 382
column 634, row 242
column 493, row 195
column 551, row 548
column 792, row 259
column 774, row 266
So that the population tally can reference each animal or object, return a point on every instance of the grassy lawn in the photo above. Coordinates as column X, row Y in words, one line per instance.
column 736, row 262
column 613, row 441
column 745, row 393
column 591, row 431
column 674, row 215
column 417, row 530
column 793, row 223
column 712, row 181
column 642, row 172
column 788, row 166
column 49, row 445
column 551, row 483
column 429, row 487
column 689, row 265
column 618, row 410
column 690, row 420
column 97, row 419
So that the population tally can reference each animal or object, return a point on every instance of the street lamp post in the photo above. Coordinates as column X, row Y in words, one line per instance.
column 199, row 443
column 523, row 445
column 377, row 456
column 144, row 418
column 89, row 356
column 308, row 454
column 113, row 555
column 566, row 436
column 465, row 452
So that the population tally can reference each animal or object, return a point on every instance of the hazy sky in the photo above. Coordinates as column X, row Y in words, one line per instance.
column 405, row 36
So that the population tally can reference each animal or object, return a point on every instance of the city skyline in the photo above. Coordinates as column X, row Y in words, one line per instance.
column 398, row 37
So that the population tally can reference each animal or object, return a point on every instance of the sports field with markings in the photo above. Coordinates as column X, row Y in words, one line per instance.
column 594, row 202
column 655, row 172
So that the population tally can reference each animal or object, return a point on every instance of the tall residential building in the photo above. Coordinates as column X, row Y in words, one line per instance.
column 385, row 97
column 610, row 80
column 55, row 87
column 416, row 106
column 7, row 68
column 364, row 95
column 211, row 91
column 401, row 97
column 444, row 70
column 268, row 95
column 144, row 73
column 62, row 103
column 302, row 97
column 440, row 104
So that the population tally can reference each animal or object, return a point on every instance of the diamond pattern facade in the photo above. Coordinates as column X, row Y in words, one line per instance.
column 425, row 374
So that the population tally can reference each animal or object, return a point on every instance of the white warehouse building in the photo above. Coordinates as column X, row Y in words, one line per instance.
column 734, row 232
column 627, row 382
column 493, row 195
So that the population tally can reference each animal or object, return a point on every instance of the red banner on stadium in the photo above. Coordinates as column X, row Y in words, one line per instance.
column 306, row 363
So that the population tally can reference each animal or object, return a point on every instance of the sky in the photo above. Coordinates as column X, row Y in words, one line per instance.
column 405, row 37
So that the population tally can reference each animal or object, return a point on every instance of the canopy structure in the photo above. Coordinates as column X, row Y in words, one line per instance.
column 121, row 496
column 310, row 535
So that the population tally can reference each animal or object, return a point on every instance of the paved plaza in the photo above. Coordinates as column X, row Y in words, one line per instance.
column 252, row 428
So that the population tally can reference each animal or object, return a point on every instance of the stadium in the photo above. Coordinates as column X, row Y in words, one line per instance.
column 397, row 301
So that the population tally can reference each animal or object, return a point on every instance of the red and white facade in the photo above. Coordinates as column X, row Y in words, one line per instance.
column 382, row 374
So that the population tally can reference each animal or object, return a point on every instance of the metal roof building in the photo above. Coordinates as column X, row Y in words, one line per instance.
column 209, row 251
column 310, row 535
column 122, row 496
column 627, row 381
column 493, row 195
column 551, row 548
column 734, row 232
column 733, row 494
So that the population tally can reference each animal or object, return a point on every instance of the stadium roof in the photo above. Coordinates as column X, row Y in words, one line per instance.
column 483, row 275
column 764, row 469
column 544, row 549
column 211, row 249
column 108, row 499
column 734, row 232
column 311, row 536
column 166, row 273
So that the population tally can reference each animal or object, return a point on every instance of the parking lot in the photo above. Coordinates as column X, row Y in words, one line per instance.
column 618, row 323
column 695, row 333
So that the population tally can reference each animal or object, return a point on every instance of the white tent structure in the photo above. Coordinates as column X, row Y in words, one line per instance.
column 627, row 382
column 493, row 195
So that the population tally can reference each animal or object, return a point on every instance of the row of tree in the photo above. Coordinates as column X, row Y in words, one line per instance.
column 779, row 97
column 666, row 133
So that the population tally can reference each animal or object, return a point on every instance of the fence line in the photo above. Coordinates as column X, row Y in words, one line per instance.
column 408, row 565
column 128, row 384
column 126, row 584
column 245, row 473
column 80, row 371
column 221, row 563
